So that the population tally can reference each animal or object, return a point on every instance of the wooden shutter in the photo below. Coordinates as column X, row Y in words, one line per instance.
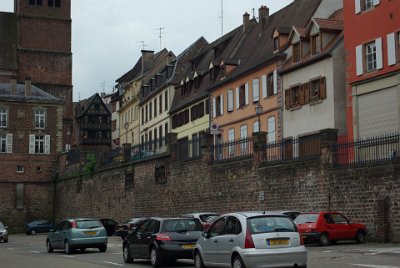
column 391, row 47
column 322, row 88
column 31, row 144
column 379, row 57
column 306, row 93
column 214, row 108
column 275, row 82
column 301, row 94
column 230, row 100
column 47, row 144
column 9, row 143
column 358, row 6
column 376, row 2
column 246, row 94
column 222, row 104
column 359, row 60
column 237, row 98
column 287, row 99
column 264, row 86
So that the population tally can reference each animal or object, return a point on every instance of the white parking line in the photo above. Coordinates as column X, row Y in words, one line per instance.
column 374, row 266
column 113, row 263
column 33, row 251
column 11, row 248
column 68, row 256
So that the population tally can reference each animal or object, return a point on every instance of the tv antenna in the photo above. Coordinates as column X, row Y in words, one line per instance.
column 254, row 13
column 143, row 45
column 160, row 35
column 221, row 17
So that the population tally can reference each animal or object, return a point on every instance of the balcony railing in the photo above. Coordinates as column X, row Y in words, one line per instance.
column 233, row 150
column 186, row 150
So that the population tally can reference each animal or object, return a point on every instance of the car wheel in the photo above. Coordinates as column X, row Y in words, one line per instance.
column 67, row 248
column 198, row 261
column 5, row 240
column 33, row 232
column 155, row 257
column 48, row 246
column 360, row 238
column 323, row 240
column 237, row 262
column 126, row 255
column 103, row 248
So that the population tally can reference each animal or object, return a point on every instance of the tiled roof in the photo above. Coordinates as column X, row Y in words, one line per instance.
column 301, row 31
column 8, row 41
column 328, row 24
column 37, row 95
column 83, row 106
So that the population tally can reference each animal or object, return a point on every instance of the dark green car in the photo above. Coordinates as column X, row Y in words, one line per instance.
column 72, row 234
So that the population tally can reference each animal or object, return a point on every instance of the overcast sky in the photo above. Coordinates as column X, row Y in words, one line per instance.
column 107, row 35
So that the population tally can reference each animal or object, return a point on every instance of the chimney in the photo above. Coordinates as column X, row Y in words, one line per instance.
column 147, row 60
column 246, row 20
column 263, row 16
column 28, row 86
column 13, row 86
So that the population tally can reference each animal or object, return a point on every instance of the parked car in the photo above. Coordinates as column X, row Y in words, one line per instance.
column 110, row 225
column 38, row 226
column 72, row 234
column 130, row 225
column 249, row 239
column 328, row 227
column 202, row 216
column 163, row 240
column 292, row 214
column 3, row 233
column 209, row 221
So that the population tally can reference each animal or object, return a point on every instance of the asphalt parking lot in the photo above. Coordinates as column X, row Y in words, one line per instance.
column 30, row 252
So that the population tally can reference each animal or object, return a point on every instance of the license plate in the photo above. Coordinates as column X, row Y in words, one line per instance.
column 278, row 242
column 90, row 233
column 188, row 246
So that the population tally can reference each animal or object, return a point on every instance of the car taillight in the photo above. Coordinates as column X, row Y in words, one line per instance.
column 248, row 242
column 73, row 224
column 163, row 237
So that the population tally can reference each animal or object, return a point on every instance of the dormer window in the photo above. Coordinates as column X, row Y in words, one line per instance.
column 296, row 52
column 35, row 2
column 315, row 44
column 276, row 43
column 54, row 3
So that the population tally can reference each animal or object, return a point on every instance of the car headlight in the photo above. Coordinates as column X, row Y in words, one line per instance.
column 5, row 232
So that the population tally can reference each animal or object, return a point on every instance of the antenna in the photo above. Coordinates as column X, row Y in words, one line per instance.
column 143, row 45
column 221, row 17
column 160, row 36
column 254, row 13
column 103, row 86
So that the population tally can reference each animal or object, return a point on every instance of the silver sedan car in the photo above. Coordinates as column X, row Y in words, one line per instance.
column 251, row 240
column 3, row 233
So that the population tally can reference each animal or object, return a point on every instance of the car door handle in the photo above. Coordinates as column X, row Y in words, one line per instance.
column 231, row 240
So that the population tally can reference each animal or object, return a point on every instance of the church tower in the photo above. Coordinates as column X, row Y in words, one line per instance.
column 44, row 50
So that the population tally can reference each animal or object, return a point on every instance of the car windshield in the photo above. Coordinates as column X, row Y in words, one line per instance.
column 306, row 218
column 87, row 224
column 182, row 225
column 204, row 217
column 268, row 224
column 212, row 218
column 2, row 225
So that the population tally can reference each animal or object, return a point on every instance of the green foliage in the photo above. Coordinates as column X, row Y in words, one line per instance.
column 90, row 164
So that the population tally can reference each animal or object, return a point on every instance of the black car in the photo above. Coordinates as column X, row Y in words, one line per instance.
column 123, row 229
column 39, row 226
column 110, row 225
column 163, row 240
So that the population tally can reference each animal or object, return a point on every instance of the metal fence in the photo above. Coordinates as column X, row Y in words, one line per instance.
column 368, row 150
column 303, row 148
column 232, row 150
column 149, row 149
column 186, row 150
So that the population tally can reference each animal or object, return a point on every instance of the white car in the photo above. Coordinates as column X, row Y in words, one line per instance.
column 253, row 240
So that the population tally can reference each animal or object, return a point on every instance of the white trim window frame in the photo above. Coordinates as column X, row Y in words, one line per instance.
column 256, row 126
column 3, row 118
column 39, row 144
column 231, row 141
column 40, row 119
column 3, row 143
column 271, row 130
column 230, row 100
column 243, row 139
column 370, row 57
column 256, row 89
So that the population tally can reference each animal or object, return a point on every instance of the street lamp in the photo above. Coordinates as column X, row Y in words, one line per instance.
column 259, row 110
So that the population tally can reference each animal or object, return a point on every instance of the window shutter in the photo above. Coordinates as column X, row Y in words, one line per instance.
column 306, row 93
column 47, row 144
column 31, row 144
column 275, row 82
column 222, row 104
column 358, row 6
column 391, row 46
column 9, row 143
column 359, row 60
column 214, row 108
column 256, row 89
column 301, row 97
column 264, row 86
column 237, row 98
column 230, row 100
column 376, row 2
column 246, row 89
column 322, row 89
column 379, row 57
column 287, row 99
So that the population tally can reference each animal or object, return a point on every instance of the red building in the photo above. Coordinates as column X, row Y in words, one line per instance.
column 372, row 33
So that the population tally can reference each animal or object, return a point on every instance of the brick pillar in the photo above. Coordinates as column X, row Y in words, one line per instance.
column 127, row 152
column 172, row 142
column 328, row 138
column 259, row 142
column 206, row 143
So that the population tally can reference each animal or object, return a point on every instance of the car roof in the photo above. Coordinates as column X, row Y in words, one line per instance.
column 249, row 214
column 193, row 214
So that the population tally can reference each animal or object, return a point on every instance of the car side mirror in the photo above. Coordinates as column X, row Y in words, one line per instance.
column 206, row 235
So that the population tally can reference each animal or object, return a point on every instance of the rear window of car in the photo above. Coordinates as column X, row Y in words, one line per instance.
column 306, row 218
column 204, row 217
column 182, row 225
column 88, row 224
column 2, row 225
column 268, row 224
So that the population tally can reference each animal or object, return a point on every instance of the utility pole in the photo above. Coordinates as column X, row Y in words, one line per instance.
column 160, row 35
column 222, row 17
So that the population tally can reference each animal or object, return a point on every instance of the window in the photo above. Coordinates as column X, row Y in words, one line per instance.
column 19, row 190
column 276, row 43
column 296, row 52
column 256, row 89
column 317, row 90
column 54, row 3
column 243, row 137
column 155, row 107
column 232, row 226
column 147, row 113
column 256, row 126
column 241, row 96
column 370, row 57
column 150, row 110
column 160, row 102
column 166, row 100
column 295, row 96
column 3, row 117
column 230, row 100
column 271, row 129
column 6, row 141
column 218, row 105
column 35, row 2
column 315, row 44
column 20, row 169
column 40, row 144
column 40, row 116
column 366, row 4
column 142, row 116
column 3, row 143
column 270, row 84
column 160, row 131
column 231, row 140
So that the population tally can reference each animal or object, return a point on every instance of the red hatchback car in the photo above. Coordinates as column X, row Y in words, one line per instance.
column 328, row 227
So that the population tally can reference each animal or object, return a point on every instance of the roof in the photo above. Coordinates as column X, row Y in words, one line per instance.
column 37, row 95
column 328, row 24
column 83, row 106
column 8, row 41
